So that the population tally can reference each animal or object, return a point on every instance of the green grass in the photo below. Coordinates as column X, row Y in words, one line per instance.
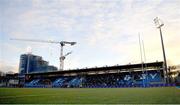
column 90, row 96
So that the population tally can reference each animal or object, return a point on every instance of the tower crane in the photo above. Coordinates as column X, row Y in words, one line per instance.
column 62, row 44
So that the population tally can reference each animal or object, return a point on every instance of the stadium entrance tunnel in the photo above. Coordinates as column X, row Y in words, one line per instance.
column 46, row 83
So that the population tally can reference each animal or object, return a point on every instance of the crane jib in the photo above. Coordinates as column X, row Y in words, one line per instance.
column 62, row 43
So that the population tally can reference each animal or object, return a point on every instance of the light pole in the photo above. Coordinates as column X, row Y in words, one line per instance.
column 159, row 24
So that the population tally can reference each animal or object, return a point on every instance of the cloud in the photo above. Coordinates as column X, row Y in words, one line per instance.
column 106, row 31
column 7, row 67
column 126, row 27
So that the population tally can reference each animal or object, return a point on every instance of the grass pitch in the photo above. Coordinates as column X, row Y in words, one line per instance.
column 90, row 95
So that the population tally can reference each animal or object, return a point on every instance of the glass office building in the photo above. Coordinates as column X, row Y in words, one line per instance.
column 30, row 63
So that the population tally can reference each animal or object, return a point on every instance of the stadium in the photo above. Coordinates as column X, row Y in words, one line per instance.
column 99, row 85
column 40, row 83
column 129, row 75
column 104, row 32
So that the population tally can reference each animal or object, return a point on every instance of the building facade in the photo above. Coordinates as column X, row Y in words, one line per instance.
column 30, row 63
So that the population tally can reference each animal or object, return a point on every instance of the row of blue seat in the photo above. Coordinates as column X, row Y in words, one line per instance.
column 102, row 81
column 33, row 83
column 60, row 82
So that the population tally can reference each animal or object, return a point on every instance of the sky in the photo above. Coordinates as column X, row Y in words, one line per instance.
column 106, row 31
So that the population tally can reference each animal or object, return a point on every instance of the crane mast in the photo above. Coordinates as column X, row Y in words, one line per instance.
column 62, row 57
column 62, row 44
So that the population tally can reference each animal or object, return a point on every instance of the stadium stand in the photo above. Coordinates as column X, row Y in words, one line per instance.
column 102, row 77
